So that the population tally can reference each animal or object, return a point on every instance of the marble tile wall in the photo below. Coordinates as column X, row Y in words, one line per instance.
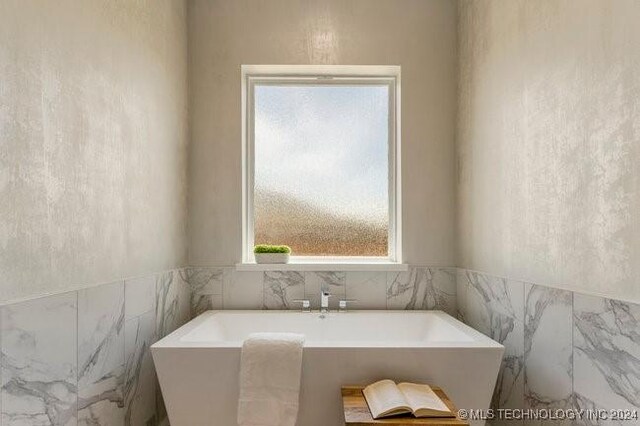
column 606, row 355
column 495, row 307
column 562, row 349
column 83, row 358
column 226, row 288
column 101, row 354
column 39, row 362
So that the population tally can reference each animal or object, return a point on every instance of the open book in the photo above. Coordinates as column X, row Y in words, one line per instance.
column 385, row 398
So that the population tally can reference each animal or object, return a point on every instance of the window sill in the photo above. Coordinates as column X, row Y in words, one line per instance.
column 324, row 266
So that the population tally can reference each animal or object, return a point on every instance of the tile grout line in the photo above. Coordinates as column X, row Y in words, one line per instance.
column 77, row 353
column 573, row 355
column 2, row 308
column 524, row 342
column 124, row 345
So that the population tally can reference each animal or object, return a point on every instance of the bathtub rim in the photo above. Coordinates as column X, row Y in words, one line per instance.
column 479, row 340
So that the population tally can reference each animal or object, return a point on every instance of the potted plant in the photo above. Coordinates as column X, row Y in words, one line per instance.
column 266, row 253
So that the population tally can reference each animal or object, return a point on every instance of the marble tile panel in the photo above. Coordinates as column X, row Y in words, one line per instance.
column 206, row 286
column 140, row 294
column 140, row 377
column 39, row 362
column 422, row 288
column 173, row 302
column 243, row 290
column 206, row 280
column 462, row 285
column 404, row 288
column 495, row 307
column 548, row 348
column 369, row 289
column 606, row 345
column 281, row 288
column 440, row 290
column 101, row 315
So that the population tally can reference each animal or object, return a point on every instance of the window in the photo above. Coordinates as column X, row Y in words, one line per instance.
column 321, row 162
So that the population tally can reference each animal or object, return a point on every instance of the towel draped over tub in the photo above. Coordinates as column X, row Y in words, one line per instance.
column 270, row 372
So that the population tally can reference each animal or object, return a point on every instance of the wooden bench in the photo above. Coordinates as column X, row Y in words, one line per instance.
column 356, row 411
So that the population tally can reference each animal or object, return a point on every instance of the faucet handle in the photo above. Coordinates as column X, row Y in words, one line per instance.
column 342, row 306
column 306, row 304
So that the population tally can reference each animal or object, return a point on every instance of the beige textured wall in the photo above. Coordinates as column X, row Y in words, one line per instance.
column 93, row 137
column 549, row 142
column 418, row 35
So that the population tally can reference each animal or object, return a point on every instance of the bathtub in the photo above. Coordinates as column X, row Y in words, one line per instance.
column 198, row 364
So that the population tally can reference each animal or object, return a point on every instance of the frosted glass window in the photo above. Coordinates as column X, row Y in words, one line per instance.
column 321, row 168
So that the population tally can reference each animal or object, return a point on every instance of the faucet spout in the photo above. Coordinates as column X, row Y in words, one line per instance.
column 324, row 301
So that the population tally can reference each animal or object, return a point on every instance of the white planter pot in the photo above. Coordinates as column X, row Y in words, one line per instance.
column 272, row 257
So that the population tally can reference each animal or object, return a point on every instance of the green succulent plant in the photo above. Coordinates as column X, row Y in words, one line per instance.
column 268, row 248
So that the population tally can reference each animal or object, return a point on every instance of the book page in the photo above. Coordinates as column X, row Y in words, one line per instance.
column 384, row 398
column 423, row 400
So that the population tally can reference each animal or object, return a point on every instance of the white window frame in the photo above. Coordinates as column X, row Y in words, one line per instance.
column 322, row 74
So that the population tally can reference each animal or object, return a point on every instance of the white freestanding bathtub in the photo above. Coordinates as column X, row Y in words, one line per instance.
column 198, row 365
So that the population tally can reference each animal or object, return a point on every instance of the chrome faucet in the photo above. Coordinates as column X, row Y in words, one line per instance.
column 324, row 301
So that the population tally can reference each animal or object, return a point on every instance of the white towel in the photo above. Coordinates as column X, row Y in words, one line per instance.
column 270, row 370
